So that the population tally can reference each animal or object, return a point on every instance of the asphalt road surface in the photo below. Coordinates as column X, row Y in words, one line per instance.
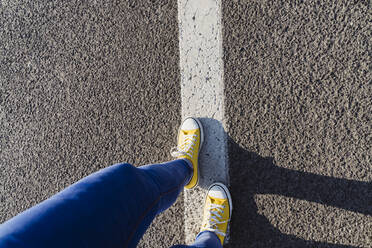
column 86, row 85
column 298, row 99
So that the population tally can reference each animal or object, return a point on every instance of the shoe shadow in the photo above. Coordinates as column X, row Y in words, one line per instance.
column 251, row 174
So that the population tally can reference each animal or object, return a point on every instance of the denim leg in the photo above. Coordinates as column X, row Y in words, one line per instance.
column 170, row 178
column 110, row 208
column 204, row 239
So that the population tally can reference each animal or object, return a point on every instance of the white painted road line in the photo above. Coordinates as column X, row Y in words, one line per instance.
column 202, row 94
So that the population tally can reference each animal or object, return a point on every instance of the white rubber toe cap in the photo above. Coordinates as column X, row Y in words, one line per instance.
column 217, row 191
column 189, row 124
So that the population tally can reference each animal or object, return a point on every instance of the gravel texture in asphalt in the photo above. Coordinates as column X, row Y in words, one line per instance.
column 298, row 105
column 84, row 85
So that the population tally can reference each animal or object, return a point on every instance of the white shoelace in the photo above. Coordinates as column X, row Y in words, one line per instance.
column 186, row 148
column 213, row 219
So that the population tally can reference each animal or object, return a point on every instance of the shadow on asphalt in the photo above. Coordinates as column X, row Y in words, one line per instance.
column 251, row 174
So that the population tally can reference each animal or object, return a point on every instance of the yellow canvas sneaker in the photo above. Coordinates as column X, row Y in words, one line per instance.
column 190, row 140
column 217, row 210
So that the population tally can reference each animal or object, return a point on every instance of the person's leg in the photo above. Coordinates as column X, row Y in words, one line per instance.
column 206, row 239
column 110, row 208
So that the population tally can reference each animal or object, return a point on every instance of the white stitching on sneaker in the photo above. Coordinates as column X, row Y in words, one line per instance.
column 213, row 221
column 186, row 148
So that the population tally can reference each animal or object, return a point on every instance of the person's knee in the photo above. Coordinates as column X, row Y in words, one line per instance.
column 120, row 170
column 128, row 170
column 132, row 173
column 127, row 167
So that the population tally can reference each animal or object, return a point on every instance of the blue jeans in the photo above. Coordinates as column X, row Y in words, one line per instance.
column 110, row 208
